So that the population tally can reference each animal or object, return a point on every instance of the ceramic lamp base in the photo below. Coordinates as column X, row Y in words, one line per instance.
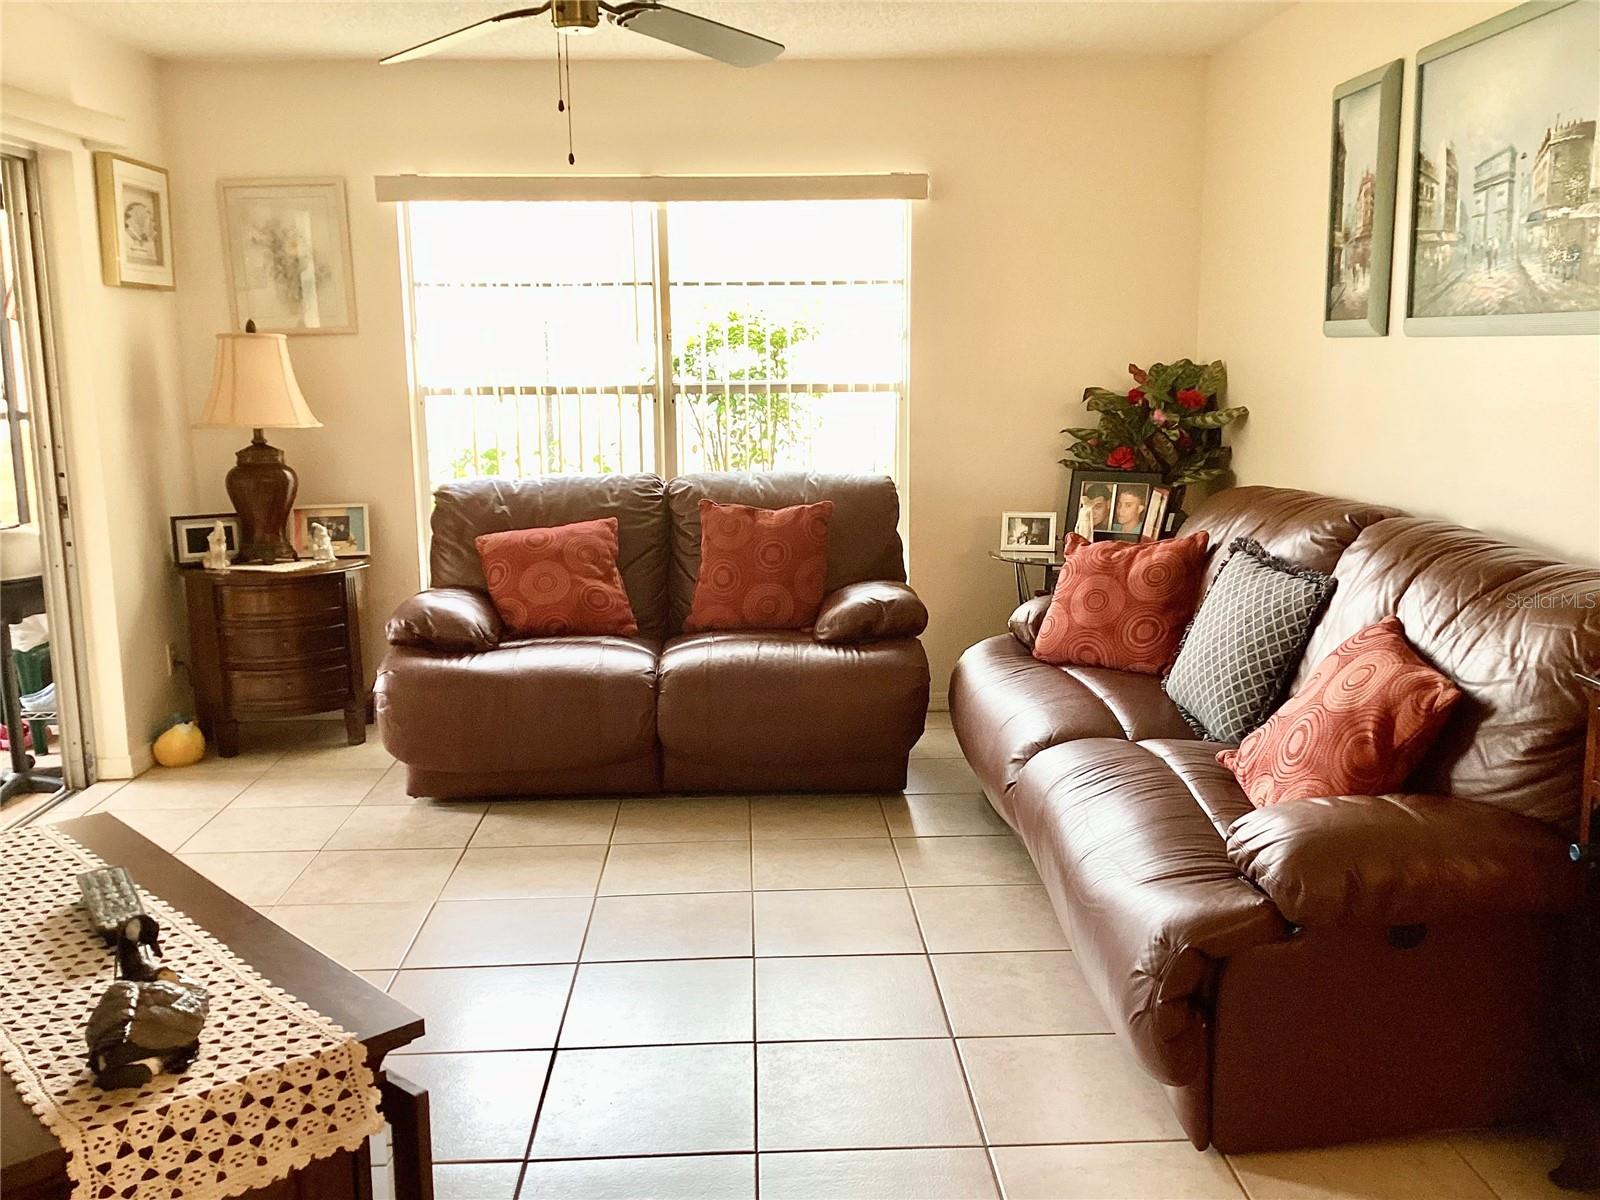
column 262, row 487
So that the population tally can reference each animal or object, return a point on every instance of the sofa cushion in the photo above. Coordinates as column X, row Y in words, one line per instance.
column 558, row 581
column 464, row 510
column 760, row 568
column 1006, row 706
column 1122, row 605
column 1363, row 720
column 863, row 539
column 782, row 697
column 1246, row 641
column 1301, row 527
column 1142, row 882
column 1211, row 784
column 545, row 704
column 1511, row 627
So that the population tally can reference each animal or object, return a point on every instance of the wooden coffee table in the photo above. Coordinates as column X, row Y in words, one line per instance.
column 33, row 1166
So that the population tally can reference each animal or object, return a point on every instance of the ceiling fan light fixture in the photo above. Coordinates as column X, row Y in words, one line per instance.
column 575, row 16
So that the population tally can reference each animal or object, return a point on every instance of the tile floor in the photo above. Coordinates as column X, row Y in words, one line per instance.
column 832, row 997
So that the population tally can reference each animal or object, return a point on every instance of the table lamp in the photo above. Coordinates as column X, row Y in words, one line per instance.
column 253, row 387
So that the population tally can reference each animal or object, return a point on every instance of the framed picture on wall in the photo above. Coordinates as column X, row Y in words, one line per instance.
column 348, row 527
column 135, row 214
column 1110, row 505
column 1505, row 218
column 287, row 248
column 1366, row 159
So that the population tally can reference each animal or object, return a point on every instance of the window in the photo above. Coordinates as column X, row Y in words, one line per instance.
column 538, row 330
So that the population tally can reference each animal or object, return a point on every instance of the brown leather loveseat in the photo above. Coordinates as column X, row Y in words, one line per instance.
column 834, row 708
column 1326, row 969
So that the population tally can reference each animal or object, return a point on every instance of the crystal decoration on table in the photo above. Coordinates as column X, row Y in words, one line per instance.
column 216, row 557
column 321, row 543
column 148, row 1021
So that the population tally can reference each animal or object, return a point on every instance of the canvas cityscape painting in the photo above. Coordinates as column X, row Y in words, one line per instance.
column 1506, row 217
column 1366, row 133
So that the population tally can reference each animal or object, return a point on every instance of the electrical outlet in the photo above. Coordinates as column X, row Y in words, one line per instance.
column 173, row 661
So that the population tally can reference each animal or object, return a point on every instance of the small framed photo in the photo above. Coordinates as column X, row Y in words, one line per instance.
column 191, row 536
column 1155, row 517
column 1028, row 533
column 347, row 526
column 1110, row 505
column 135, row 223
column 287, row 249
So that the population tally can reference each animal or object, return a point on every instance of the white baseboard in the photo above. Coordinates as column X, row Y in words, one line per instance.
column 124, row 766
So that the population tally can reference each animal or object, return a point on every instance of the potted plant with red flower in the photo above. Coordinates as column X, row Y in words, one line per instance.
column 1169, row 422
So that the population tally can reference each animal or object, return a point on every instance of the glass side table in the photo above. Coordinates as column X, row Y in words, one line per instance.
column 1021, row 562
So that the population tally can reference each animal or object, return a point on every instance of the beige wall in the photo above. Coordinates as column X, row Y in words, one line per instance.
column 126, row 419
column 1498, row 432
column 1060, row 242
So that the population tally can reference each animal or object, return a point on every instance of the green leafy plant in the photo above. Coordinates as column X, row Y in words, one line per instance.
column 743, row 429
column 486, row 463
column 1169, row 422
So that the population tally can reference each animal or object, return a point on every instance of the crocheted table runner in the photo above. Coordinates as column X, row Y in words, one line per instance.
column 276, row 1084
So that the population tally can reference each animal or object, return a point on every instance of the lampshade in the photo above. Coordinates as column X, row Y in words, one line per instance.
column 253, row 385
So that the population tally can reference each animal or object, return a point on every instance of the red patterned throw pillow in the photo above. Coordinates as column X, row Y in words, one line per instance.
column 1123, row 605
column 559, row 581
column 760, row 568
column 1358, row 727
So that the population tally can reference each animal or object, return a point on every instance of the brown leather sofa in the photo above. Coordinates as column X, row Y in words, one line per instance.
column 471, row 712
column 1326, row 969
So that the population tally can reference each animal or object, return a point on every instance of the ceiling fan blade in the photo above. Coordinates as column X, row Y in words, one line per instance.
column 700, row 34
column 434, row 45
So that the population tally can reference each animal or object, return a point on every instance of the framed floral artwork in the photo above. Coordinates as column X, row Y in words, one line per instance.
column 135, row 223
column 287, row 248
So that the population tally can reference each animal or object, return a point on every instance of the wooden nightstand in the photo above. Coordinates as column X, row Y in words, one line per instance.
column 276, row 644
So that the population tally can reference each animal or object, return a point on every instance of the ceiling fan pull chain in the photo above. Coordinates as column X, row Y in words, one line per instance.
column 561, row 86
column 572, row 159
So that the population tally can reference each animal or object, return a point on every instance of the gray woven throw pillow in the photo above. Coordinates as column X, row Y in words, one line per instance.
column 1243, row 646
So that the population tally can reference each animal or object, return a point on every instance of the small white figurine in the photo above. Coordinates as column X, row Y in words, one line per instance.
column 321, row 543
column 216, row 558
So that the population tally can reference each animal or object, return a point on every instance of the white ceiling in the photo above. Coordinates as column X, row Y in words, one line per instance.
column 369, row 29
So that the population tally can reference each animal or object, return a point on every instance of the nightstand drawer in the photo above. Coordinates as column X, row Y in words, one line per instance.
column 302, row 598
column 329, row 685
column 242, row 646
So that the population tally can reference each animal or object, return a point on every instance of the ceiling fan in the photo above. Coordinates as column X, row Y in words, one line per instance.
column 699, row 34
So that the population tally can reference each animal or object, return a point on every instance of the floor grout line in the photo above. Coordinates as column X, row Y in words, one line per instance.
column 566, row 1008
column 818, row 1041
column 955, row 1045
column 755, row 1028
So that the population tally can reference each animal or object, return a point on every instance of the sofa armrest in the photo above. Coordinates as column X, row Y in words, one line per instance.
column 869, row 612
column 1401, row 860
column 1025, row 621
column 458, row 619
